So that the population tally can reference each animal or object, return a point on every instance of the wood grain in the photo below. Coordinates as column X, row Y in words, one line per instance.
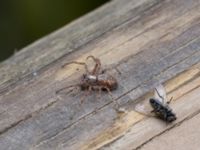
column 70, row 38
column 143, row 43
column 186, row 105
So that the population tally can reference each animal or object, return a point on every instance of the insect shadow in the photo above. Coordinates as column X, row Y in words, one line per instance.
column 159, row 106
column 94, row 80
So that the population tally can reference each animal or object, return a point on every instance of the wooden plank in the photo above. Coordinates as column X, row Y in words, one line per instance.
column 186, row 133
column 161, row 44
column 69, row 38
column 116, row 126
column 186, row 105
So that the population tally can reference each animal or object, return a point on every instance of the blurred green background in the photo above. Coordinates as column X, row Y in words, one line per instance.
column 24, row 21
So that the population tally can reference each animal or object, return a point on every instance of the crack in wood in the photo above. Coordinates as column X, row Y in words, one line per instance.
column 12, row 83
column 173, row 125
column 154, row 76
column 178, row 58
column 100, row 108
column 27, row 117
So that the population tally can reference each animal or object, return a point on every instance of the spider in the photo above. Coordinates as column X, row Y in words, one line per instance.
column 96, row 79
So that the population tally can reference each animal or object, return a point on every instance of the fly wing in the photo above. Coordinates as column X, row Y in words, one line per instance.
column 143, row 107
column 160, row 93
column 139, row 108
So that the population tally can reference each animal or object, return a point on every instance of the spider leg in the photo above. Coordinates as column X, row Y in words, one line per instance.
column 78, row 63
column 75, row 90
column 86, row 94
column 99, row 92
column 111, row 96
column 118, row 71
column 97, row 67
column 60, row 90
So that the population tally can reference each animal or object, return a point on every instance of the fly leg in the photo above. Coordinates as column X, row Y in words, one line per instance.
column 170, row 100
column 153, row 113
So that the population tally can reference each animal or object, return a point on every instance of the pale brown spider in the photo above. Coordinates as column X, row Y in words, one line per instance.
column 96, row 79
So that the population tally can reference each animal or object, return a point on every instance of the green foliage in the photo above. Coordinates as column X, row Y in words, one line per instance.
column 23, row 21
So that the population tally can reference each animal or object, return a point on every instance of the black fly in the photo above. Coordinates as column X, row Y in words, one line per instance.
column 160, row 107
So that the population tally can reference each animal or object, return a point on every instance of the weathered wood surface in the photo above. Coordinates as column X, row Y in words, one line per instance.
column 148, row 41
column 72, row 37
